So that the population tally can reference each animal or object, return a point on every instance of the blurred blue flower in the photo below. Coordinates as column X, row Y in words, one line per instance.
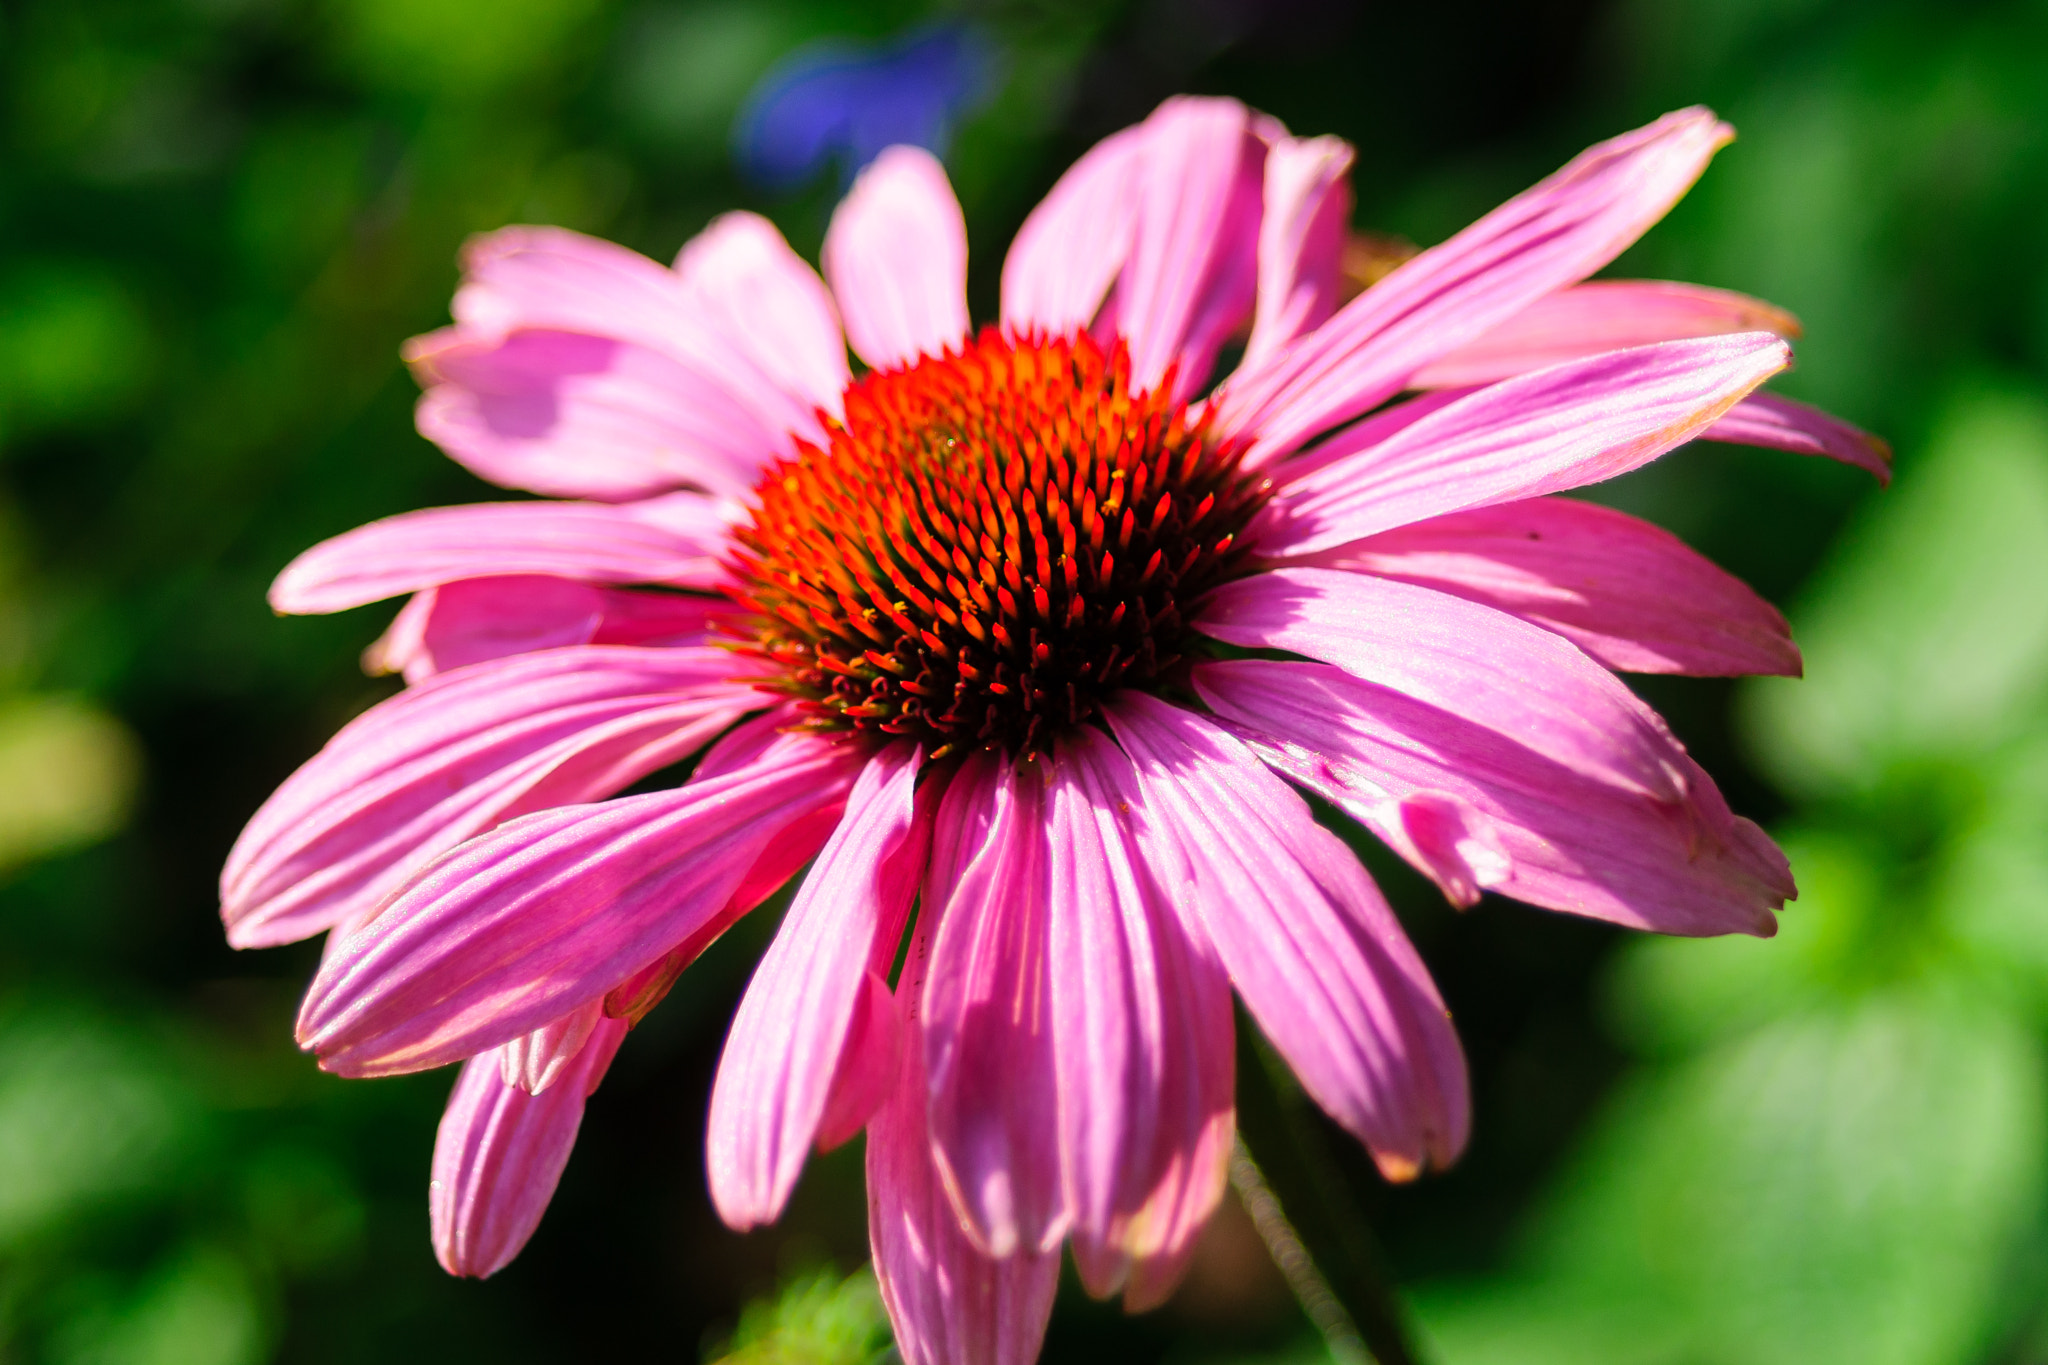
column 835, row 101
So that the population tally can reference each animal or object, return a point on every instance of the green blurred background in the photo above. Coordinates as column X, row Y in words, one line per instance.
column 219, row 218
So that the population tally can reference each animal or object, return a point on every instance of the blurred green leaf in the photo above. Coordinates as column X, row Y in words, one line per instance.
column 1675, row 996
column 684, row 69
column 73, row 345
column 1927, row 637
column 1839, row 1186
column 67, row 774
column 817, row 1319
column 197, row 1309
column 461, row 48
column 87, row 1114
column 1995, row 878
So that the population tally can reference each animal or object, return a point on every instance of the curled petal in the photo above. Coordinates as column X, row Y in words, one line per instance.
column 1602, row 315
column 1476, row 812
column 1552, row 235
column 578, row 416
column 1301, row 241
column 896, row 255
column 1192, row 272
column 1631, row 595
column 792, row 1030
column 674, row 540
column 444, row 761
column 551, row 911
column 987, row 1028
column 501, row 1151
column 479, row 619
column 1308, row 942
column 551, row 279
column 534, row 1061
column 1564, row 427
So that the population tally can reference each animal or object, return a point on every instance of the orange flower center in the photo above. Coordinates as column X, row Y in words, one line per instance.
column 989, row 545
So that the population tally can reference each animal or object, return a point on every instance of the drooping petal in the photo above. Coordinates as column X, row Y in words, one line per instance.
column 534, row 1061
column 501, row 1151
column 1192, row 272
column 1476, row 812
column 1143, row 1040
column 792, row 1028
column 579, row 416
column 551, row 279
column 1308, row 942
column 478, row 619
column 741, row 276
column 441, row 762
column 1073, row 245
column 1530, row 685
column 1631, row 595
column 986, row 1010
column 1765, row 419
column 550, row 911
column 896, row 256
column 674, row 540
column 1564, row 427
column 949, row 1303
column 1601, row 315
column 1552, row 235
column 1301, row 241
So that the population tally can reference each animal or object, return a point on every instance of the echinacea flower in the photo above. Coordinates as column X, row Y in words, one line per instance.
column 1026, row 642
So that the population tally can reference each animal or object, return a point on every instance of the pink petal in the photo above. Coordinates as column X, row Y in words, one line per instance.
column 1309, row 944
column 1601, row 315
column 534, row 1061
column 1301, row 241
column 1364, row 434
column 550, row 279
column 581, row 416
column 867, row 1067
column 1765, row 419
column 418, row 774
column 1475, row 811
column 1563, row 427
column 987, row 1031
column 792, row 1028
column 1528, row 684
column 674, row 540
column 742, row 277
column 1072, row 247
column 1631, row 595
column 949, row 1303
column 1143, row 1039
column 478, row 619
column 1192, row 272
column 501, row 1151
column 1552, row 235
column 551, row 911
column 896, row 255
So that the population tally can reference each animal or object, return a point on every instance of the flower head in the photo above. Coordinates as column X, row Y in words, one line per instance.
column 1026, row 642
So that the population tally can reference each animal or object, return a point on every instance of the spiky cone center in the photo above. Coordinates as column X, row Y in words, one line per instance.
column 990, row 544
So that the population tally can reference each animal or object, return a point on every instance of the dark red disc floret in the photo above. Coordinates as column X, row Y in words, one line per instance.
column 990, row 543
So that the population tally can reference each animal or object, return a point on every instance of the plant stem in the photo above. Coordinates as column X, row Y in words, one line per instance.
column 1311, row 1226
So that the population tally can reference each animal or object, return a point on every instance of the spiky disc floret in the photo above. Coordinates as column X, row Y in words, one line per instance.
column 992, row 541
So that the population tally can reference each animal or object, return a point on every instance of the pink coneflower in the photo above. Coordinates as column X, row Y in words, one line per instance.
column 1024, row 641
